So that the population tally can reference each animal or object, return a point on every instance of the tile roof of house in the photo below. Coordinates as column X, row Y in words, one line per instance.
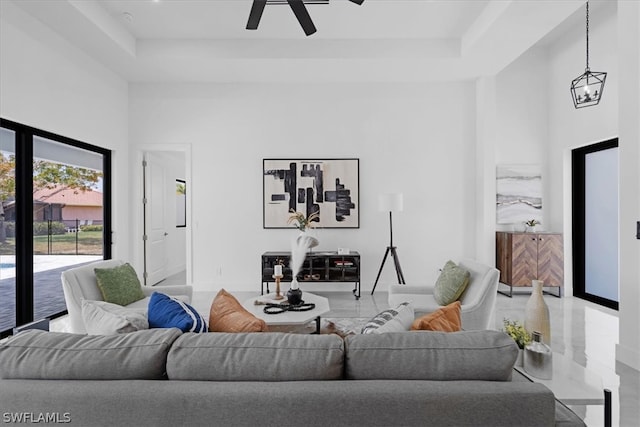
column 69, row 196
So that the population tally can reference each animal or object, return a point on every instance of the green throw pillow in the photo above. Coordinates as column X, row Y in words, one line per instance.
column 451, row 284
column 119, row 285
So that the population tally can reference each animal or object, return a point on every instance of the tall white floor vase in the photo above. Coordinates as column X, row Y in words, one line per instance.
column 536, row 315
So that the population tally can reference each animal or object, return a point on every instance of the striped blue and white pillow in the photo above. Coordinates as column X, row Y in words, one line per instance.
column 169, row 312
column 397, row 319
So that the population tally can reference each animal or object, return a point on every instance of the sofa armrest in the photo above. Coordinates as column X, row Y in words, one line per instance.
column 170, row 290
column 411, row 289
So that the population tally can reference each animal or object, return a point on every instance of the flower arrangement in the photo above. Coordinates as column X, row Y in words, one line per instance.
column 300, row 221
column 516, row 331
column 532, row 223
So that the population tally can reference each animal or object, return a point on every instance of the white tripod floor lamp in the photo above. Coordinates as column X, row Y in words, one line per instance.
column 390, row 202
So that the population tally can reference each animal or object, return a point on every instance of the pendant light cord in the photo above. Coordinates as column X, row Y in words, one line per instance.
column 587, row 35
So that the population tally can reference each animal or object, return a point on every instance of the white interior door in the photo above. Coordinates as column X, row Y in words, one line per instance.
column 155, row 233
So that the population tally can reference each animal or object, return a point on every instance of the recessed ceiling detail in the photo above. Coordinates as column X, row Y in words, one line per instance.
column 297, row 6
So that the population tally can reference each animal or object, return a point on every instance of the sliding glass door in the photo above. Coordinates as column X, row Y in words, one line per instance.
column 55, row 199
column 7, row 229
column 595, row 223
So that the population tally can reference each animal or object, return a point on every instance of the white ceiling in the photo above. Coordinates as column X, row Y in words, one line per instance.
column 380, row 41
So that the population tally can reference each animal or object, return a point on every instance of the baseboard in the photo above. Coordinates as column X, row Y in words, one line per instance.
column 628, row 356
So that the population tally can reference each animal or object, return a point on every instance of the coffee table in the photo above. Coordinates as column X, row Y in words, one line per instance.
column 289, row 317
column 572, row 384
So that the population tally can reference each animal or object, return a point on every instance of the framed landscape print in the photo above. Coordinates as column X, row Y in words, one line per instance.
column 519, row 193
column 328, row 187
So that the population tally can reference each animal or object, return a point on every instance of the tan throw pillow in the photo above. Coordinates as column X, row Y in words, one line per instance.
column 228, row 315
column 445, row 319
column 451, row 283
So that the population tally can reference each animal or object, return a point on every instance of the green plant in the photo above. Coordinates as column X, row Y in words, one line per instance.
column 300, row 221
column 93, row 227
column 41, row 228
column 532, row 223
column 516, row 331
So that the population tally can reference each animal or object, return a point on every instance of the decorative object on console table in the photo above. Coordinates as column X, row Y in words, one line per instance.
column 304, row 224
column 328, row 188
column 538, row 358
column 531, row 225
column 537, row 313
column 523, row 257
column 391, row 202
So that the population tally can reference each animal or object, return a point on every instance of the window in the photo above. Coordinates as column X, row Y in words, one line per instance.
column 55, row 196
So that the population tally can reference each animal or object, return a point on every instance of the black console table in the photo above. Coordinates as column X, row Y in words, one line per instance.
column 317, row 267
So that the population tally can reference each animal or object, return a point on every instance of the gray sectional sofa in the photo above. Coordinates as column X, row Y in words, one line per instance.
column 164, row 377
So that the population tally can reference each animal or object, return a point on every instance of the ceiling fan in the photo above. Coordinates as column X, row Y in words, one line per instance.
column 297, row 6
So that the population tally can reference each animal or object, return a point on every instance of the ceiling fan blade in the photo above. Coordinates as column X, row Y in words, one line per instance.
column 301, row 13
column 358, row 2
column 256, row 13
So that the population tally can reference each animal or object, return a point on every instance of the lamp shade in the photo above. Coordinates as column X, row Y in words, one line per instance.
column 390, row 202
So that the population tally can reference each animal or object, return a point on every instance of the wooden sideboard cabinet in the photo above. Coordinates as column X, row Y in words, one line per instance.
column 523, row 257
column 317, row 267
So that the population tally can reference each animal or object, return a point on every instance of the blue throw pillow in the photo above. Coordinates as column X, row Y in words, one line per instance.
column 170, row 312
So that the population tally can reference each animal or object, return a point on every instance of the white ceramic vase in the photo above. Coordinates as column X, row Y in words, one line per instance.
column 306, row 239
column 537, row 313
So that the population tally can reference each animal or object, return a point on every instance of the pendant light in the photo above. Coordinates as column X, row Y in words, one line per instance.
column 586, row 89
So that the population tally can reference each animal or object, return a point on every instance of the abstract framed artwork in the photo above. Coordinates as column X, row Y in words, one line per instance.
column 328, row 187
column 518, row 193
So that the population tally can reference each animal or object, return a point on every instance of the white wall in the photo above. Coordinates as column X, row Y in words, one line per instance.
column 49, row 84
column 628, row 350
column 522, row 133
column 418, row 139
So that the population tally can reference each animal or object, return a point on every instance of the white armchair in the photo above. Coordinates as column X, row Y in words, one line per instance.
column 80, row 283
column 478, row 300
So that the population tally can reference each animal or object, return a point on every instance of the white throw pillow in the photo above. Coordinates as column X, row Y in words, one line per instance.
column 105, row 318
column 397, row 319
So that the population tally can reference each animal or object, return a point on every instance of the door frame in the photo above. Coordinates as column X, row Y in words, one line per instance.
column 137, row 207
column 578, row 197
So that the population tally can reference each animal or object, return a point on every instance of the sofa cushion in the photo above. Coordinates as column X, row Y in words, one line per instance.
column 445, row 319
column 35, row 354
column 104, row 318
column 169, row 312
column 451, row 283
column 119, row 285
column 256, row 357
column 228, row 315
column 425, row 355
column 397, row 319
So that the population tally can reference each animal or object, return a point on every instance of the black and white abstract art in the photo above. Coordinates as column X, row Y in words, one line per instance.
column 329, row 187
column 518, row 193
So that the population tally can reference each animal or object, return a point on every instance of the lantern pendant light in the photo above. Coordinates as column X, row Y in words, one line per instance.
column 586, row 89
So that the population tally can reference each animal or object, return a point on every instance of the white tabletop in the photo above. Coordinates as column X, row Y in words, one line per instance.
column 571, row 383
column 288, row 317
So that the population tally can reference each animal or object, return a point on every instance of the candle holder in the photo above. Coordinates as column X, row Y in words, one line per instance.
column 278, row 294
